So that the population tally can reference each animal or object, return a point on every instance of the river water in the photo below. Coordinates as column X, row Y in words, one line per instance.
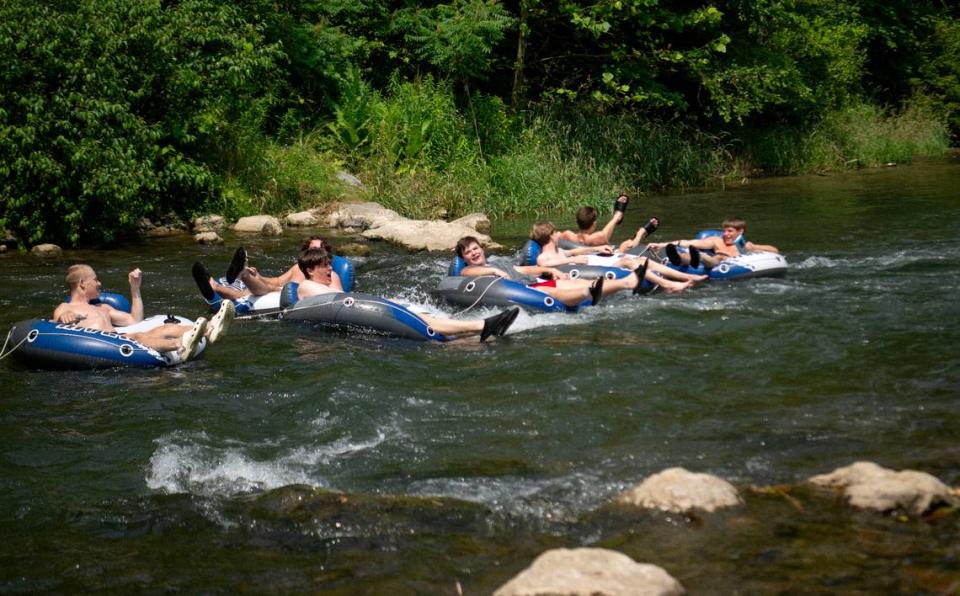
column 289, row 459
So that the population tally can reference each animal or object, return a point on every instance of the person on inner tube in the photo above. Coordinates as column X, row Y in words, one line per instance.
column 315, row 265
column 169, row 337
column 546, row 235
column 571, row 292
column 730, row 244
column 253, row 283
column 588, row 235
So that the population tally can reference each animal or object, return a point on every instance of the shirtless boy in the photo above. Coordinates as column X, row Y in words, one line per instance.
column 255, row 284
column 571, row 292
column 183, row 339
column 588, row 235
column 729, row 244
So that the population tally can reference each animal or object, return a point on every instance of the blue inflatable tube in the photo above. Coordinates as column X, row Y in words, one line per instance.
column 50, row 345
column 491, row 290
column 531, row 250
column 746, row 265
column 357, row 311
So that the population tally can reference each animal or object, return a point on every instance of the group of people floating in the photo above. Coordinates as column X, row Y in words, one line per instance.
column 314, row 275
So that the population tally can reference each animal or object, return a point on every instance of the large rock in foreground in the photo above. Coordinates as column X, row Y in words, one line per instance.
column 379, row 223
column 869, row 486
column 589, row 572
column 677, row 490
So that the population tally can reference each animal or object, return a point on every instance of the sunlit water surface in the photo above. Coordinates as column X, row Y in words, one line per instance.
column 457, row 464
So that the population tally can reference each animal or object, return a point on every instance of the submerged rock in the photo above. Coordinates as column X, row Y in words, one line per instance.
column 867, row 485
column 353, row 249
column 208, row 238
column 588, row 572
column 47, row 251
column 678, row 490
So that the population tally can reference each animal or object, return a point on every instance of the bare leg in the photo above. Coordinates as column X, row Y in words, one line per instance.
column 255, row 282
column 165, row 338
column 571, row 292
column 454, row 327
column 669, row 273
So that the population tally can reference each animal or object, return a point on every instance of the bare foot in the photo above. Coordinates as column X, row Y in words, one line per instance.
column 675, row 287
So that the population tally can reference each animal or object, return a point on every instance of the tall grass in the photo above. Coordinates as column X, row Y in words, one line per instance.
column 418, row 154
column 859, row 136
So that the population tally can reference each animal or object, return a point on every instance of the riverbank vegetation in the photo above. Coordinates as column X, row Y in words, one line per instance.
column 111, row 112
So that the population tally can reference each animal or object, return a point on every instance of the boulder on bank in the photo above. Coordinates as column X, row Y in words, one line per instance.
column 361, row 215
column 209, row 223
column 418, row 234
column 266, row 225
column 867, row 485
column 380, row 223
column 47, row 251
column 168, row 226
column 678, row 490
column 477, row 221
column 7, row 240
column 302, row 219
column 588, row 572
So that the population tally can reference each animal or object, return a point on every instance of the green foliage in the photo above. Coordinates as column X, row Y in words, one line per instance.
column 418, row 126
column 457, row 38
column 796, row 60
column 353, row 112
column 858, row 136
column 941, row 74
column 112, row 112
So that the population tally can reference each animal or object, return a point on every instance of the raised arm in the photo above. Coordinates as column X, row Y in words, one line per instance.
column 281, row 279
column 120, row 318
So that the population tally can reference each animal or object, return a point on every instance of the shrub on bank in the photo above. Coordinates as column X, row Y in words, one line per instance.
column 858, row 136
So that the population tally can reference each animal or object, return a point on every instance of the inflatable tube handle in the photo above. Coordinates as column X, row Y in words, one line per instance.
column 117, row 301
column 344, row 269
column 529, row 253
column 288, row 294
column 707, row 233
column 456, row 266
column 568, row 244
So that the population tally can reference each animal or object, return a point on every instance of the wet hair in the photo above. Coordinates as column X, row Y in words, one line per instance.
column 324, row 244
column 541, row 232
column 313, row 257
column 463, row 243
column 734, row 222
column 586, row 217
column 76, row 273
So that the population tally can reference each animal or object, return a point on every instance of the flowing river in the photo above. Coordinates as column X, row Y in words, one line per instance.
column 290, row 459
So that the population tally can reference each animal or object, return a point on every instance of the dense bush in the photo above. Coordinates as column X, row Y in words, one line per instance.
column 115, row 111
column 110, row 112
